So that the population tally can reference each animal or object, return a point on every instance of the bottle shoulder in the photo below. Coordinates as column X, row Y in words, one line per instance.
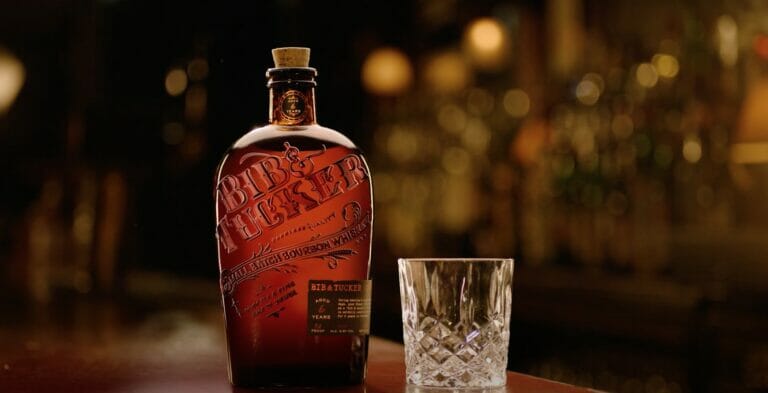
column 271, row 132
column 275, row 140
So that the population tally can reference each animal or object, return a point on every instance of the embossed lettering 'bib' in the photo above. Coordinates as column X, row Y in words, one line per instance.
column 293, row 226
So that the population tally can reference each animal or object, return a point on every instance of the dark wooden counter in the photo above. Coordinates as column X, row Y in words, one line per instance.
column 96, row 349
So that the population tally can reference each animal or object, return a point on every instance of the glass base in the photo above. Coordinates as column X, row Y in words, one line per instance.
column 435, row 389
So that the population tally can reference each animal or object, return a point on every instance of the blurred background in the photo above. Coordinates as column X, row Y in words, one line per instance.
column 618, row 150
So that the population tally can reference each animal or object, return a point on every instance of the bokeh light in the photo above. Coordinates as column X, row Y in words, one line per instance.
column 692, row 149
column 530, row 141
column 516, row 103
column 587, row 92
column 458, row 205
column 456, row 161
column 12, row 76
column 477, row 136
column 480, row 101
column 666, row 66
column 760, row 46
column 597, row 79
column 197, row 69
column 646, row 75
column 622, row 126
column 402, row 145
column 753, row 121
column 583, row 141
column 176, row 82
column 452, row 118
column 447, row 72
column 749, row 153
column 387, row 72
column 728, row 40
column 486, row 43
column 486, row 35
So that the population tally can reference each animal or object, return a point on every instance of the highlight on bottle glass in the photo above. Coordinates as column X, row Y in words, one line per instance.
column 456, row 316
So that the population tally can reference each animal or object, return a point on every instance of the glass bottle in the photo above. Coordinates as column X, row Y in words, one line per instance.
column 294, row 219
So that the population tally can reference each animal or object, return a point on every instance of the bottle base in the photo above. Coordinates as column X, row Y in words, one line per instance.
column 296, row 376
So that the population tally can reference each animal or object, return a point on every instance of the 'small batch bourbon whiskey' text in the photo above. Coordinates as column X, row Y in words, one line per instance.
column 293, row 225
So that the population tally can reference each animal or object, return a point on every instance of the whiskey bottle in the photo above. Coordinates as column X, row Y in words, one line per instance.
column 294, row 219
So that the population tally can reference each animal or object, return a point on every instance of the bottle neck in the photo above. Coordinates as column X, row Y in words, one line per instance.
column 292, row 96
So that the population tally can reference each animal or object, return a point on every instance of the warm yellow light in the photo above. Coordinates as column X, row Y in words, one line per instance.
column 666, row 65
column 565, row 35
column 596, row 79
column 456, row 161
column 728, row 40
column 197, row 69
column 447, row 72
column 387, row 71
column 11, row 79
column 457, row 204
column 452, row 118
column 749, row 153
column 486, row 35
column 477, row 136
column 646, row 75
column 692, row 149
column 587, row 92
column 480, row 101
column 176, row 82
column 753, row 120
column 516, row 103
column 402, row 145
column 486, row 42
column 622, row 126
column 583, row 141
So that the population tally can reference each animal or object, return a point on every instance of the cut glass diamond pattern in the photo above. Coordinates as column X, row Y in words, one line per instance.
column 450, row 354
column 463, row 345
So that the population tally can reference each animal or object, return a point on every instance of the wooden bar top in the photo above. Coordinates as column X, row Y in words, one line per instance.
column 98, row 350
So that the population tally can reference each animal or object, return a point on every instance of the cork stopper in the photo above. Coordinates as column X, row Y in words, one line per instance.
column 290, row 57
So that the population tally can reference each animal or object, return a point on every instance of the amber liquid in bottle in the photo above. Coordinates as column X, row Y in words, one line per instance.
column 294, row 220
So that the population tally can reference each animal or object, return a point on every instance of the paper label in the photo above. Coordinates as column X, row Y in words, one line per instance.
column 339, row 307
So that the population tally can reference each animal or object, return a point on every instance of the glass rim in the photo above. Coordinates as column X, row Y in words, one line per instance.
column 456, row 259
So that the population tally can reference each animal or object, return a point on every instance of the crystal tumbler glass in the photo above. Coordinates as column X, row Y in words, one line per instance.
column 456, row 321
